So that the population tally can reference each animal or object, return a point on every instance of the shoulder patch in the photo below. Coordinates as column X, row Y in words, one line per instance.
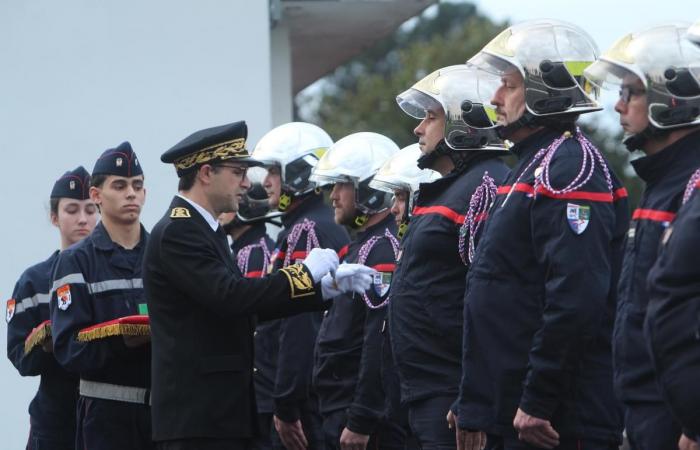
column 300, row 282
column 10, row 310
column 180, row 213
column 578, row 217
column 63, row 297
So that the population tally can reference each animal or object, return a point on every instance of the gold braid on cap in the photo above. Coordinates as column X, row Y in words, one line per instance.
column 225, row 150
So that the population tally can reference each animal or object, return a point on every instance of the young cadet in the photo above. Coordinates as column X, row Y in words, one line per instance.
column 99, row 280
column 203, row 311
column 540, row 298
column 251, row 248
column 661, row 117
column 290, row 153
column 348, row 356
column 425, row 312
column 52, row 411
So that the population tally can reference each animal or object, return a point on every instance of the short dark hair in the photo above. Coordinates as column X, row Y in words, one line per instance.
column 98, row 180
column 187, row 180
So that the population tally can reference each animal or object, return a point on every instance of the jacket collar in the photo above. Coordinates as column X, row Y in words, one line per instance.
column 681, row 154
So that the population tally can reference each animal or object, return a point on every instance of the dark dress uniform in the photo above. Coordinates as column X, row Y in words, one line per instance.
column 96, row 281
column 540, row 304
column 425, row 311
column 348, row 357
column 203, row 314
column 648, row 421
column 672, row 326
column 252, row 241
column 283, row 378
column 52, row 411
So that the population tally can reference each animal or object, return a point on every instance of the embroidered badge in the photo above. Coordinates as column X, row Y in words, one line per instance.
column 300, row 282
column 10, row 310
column 119, row 162
column 180, row 213
column 71, row 185
column 63, row 296
column 381, row 282
column 578, row 217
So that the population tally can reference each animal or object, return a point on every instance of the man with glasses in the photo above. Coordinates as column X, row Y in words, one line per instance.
column 203, row 311
column 658, row 108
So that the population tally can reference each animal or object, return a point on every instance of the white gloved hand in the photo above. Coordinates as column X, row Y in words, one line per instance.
column 328, row 287
column 320, row 261
column 354, row 278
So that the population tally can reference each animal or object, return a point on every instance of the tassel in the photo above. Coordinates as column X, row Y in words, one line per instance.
column 37, row 337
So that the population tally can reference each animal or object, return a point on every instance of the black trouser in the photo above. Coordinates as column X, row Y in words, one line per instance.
column 387, row 436
column 108, row 424
column 427, row 419
column 267, row 428
column 204, row 444
column 507, row 443
column 650, row 426
column 312, row 424
column 42, row 442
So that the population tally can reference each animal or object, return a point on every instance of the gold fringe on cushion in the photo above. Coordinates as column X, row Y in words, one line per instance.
column 118, row 327
column 37, row 337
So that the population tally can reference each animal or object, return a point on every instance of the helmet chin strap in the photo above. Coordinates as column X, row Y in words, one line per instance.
column 359, row 220
column 427, row 161
column 637, row 140
column 285, row 201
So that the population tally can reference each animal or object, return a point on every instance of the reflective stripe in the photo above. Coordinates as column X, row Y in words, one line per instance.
column 71, row 278
column 440, row 210
column 116, row 392
column 654, row 215
column 31, row 302
column 111, row 285
column 604, row 197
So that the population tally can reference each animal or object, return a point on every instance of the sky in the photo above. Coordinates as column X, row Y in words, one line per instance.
column 73, row 83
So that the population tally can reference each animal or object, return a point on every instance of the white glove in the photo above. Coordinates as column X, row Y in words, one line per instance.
column 354, row 278
column 348, row 278
column 320, row 261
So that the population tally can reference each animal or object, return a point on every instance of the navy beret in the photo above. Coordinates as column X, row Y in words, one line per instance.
column 210, row 146
column 120, row 161
column 73, row 184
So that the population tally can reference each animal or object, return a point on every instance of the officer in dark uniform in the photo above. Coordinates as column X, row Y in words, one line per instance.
column 425, row 311
column 52, row 411
column 669, row 134
column 348, row 358
column 671, row 326
column 290, row 152
column 99, row 280
column 203, row 311
column 251, row 248
column 540, row 299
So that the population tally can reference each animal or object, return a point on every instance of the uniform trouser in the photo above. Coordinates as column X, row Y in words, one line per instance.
column 41, row 442
column 311, row 423
column 266, row 427
column 388, row 435
column 109, row 424
column 494, row 442
column 204, row 444
column 650, row 426
column 427, row 419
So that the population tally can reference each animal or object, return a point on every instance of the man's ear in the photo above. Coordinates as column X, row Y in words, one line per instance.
column 204, row 174
column 95, row 195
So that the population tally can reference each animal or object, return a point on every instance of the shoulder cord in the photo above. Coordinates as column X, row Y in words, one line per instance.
column 690, row 187
column 363, row 254
column 590, row 155
column 243, row 256
column 308, row 226
column 481, row 201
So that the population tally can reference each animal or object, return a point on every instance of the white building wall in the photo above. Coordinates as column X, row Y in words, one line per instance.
column 80, row 76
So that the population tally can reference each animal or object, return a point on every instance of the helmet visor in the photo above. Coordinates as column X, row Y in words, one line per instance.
column 415, row 103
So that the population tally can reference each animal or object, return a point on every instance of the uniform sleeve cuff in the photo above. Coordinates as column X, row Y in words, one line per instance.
column 287, row 413
column 537, row 407
column 361, row 425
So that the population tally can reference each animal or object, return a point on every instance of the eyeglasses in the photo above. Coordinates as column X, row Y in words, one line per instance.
column 237, row 170
column 626, row 92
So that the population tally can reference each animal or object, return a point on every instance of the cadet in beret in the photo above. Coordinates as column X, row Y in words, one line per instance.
column 203, row 311
column 52, row 411
column 96, row 282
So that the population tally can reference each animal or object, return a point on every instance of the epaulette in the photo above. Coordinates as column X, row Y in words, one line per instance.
column 180, row 213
